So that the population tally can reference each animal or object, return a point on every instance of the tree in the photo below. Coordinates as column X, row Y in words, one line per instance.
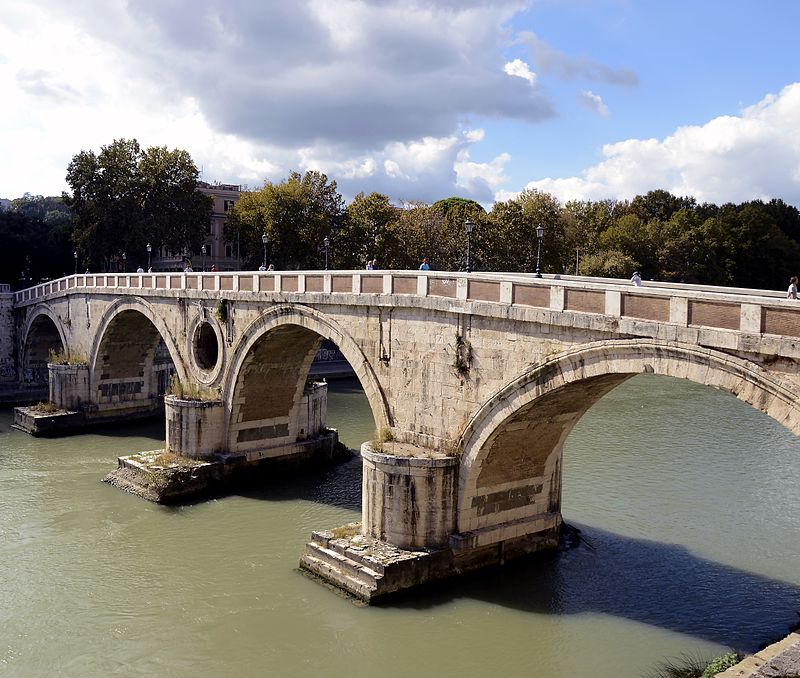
column 514, row 244
column 296, row 215
column 35, row 234
column 367, row 232
column 124, row 198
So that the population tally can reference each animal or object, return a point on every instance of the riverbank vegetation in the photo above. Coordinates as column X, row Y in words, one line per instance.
column 125, row 197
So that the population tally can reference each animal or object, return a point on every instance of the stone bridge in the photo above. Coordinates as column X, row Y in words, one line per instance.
column 474, row 381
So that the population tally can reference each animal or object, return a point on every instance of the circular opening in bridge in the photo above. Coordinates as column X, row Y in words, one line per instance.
column 206, row 347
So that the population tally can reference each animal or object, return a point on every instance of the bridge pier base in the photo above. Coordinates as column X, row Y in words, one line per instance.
column 407, row 537
column 196, row 461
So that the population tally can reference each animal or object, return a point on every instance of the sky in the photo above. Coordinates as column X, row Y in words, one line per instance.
column 582, row 99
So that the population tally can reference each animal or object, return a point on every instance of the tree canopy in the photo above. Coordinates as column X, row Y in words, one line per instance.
column 124, row 197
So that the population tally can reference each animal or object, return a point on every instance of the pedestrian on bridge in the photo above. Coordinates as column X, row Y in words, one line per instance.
column 424, row 266
column 636, row 279
column 791, row 293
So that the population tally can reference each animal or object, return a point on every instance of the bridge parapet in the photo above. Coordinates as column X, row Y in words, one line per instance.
column 752, row 312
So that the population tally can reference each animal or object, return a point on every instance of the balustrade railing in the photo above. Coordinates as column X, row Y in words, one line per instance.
column 744, row 310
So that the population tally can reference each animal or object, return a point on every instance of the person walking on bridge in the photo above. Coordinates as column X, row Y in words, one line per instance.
column 791, row 293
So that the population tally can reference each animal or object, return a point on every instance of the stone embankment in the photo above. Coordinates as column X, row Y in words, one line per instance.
column 779, row 660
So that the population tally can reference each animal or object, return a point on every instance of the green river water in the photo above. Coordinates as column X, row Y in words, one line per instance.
column 688, row 501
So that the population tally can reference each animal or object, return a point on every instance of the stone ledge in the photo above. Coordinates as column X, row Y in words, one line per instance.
column 776, row 660
column 368, row 568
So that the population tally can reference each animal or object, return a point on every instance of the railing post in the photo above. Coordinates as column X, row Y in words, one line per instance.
column 750, row 321
column 557, row 298
column 679, row 311
column 614, row 303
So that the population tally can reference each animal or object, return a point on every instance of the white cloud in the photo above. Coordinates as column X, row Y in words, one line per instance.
column 254, row 90
column 593, row 102
column 518, row 68
column 755, row 155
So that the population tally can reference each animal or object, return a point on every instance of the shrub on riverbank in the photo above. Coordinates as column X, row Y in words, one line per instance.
column 695, row 667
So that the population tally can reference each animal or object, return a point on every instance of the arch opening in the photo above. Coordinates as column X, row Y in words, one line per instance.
column 43, row 338
column 133, row 365
column 273, row 403
column 510, row 472
column 269, row 386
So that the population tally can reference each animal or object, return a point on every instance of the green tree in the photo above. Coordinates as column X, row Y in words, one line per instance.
column 367, row 232
column 124, row 197
column 297, row 214
column 513, row 242
column 35, row 234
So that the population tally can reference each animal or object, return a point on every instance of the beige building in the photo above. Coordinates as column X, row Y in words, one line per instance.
column 222, row 254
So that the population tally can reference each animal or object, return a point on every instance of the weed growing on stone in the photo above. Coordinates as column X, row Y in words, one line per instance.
column 62, row 357
column 462, row 361
column 345, row 531
column 191, row 391
column 44, row 408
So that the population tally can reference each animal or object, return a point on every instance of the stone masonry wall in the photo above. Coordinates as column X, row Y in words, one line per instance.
column 8, row 367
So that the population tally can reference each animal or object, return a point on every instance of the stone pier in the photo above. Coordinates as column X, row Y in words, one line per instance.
column 196, row 461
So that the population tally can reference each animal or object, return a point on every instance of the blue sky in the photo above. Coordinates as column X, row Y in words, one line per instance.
column 694, row 61
column 418, row 100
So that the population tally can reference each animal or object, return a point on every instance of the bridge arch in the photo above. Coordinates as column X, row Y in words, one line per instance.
column 279, row 346
column 43, row 332
column 510, row 467
column 132, row 356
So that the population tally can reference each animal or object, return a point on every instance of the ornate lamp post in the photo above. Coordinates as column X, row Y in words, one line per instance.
column 149, row 249
column 203, row 252
column 539, row 234
column 327, row 244
column 124, row 263
column 264, row 242
column 75, row 256
column 468, row 226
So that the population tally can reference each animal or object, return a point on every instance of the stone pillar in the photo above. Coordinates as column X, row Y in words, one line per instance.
column 8, row 371
column 312, row 411
column 195, row 428
column 69, row 386
column 408, row 496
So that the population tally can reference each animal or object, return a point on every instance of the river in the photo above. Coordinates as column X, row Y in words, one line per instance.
column 688, row 501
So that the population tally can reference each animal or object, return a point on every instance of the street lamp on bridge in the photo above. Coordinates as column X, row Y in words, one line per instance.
column 264, row 242
column 149, row 249
column 539, row 234
column 327, row 244
column 203, row 252
column 75, row 256
column 468, row 226
column 124, row 263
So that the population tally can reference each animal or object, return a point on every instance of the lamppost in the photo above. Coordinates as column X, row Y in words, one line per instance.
column 124, row 263
column 327, row 243
column 203, row 252
column 468, row 226
column 539, row 234
column 75, row 256
column 264, row 242
column 149, row 249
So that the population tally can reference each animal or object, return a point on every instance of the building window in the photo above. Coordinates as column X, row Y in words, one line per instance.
column 228, row 250
column 228, row 204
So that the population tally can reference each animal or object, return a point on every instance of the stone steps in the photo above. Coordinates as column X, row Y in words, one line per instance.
column 340, row 570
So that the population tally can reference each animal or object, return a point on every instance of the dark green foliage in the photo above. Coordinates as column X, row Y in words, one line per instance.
column 36, row 240
column 125, row 197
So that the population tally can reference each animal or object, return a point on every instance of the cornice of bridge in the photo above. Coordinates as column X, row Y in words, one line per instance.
column 760, row 321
